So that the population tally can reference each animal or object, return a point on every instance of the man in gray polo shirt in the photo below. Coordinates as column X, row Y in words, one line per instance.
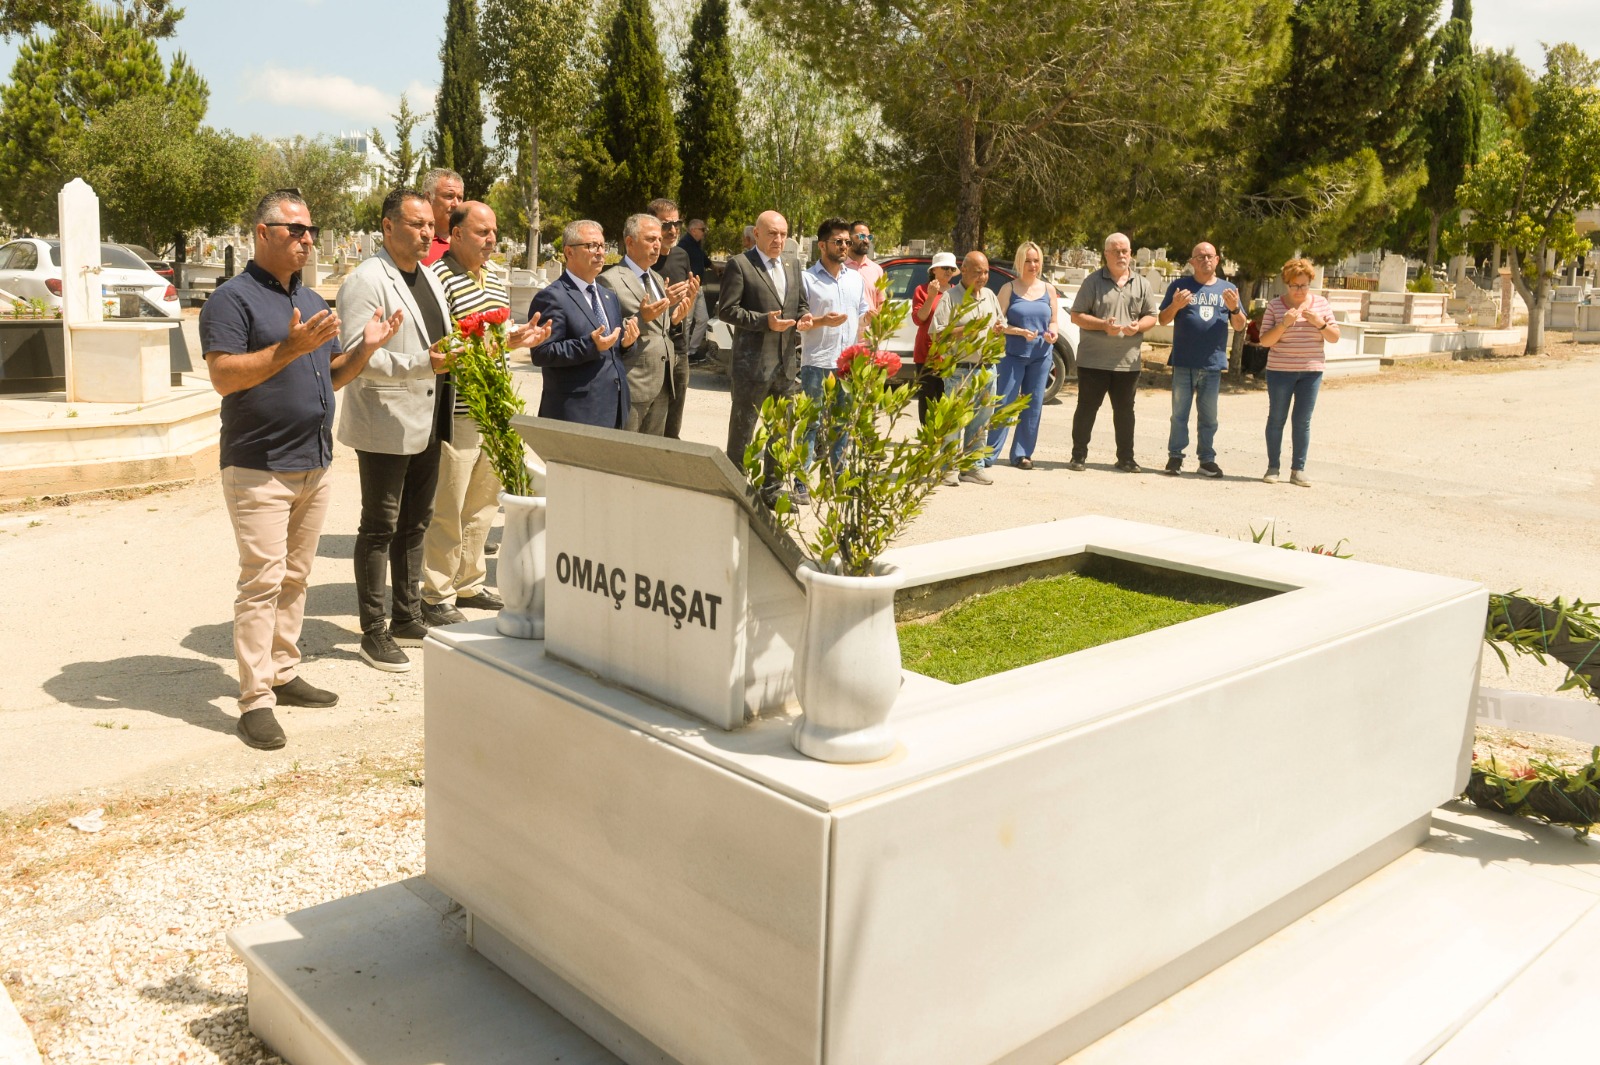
column 1113, row 310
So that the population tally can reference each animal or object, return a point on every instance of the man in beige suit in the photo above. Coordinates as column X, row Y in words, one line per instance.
column 645, row 294
column 394, row 415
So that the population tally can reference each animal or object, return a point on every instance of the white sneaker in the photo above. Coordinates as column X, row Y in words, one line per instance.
column 1272, row 476
column 1296, row 477
column 950, row 480
column 977, row 475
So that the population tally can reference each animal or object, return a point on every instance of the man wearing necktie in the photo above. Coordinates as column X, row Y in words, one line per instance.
column 643, row 293
column 765, row 303
column 582, row 362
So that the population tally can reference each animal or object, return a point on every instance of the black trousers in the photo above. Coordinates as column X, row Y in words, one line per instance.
column 1093, row 385
column 930, row 387
column 396, row 507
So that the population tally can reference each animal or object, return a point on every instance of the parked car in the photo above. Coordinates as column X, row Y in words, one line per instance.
column 905, row 273
column 152, row 260
column 30, row 269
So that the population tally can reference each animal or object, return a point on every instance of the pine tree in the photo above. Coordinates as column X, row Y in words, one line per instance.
column 715, row 182
column 403, row 164
column 633, row 151
column 457, row 141
column 58, row 85
column 1452, row 120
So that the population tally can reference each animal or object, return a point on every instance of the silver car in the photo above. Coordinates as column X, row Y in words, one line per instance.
column 30, row 269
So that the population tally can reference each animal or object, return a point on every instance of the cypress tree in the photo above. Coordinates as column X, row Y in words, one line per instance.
column 633, row 152
column 1452, row 120
column 715, row 183
column 457, row 140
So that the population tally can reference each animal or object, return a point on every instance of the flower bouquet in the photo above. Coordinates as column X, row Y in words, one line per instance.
column 867, row 475
column 483, row 381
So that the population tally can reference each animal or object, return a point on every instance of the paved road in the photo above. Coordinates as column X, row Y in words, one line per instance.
column 119, row 670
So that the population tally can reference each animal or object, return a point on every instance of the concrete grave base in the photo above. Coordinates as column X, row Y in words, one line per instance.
column 712, row 896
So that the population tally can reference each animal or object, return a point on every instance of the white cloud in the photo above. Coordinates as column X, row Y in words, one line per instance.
column 332, row 93
column 421, row 96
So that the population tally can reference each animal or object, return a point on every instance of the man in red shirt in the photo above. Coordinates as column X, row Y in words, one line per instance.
column 930, row 386
column 443, row 191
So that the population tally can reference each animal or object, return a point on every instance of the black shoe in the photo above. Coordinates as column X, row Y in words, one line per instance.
column 408, row 633
column 484, row 600
column 259, row 729
column 800, row 496
column 492, row 547
column 1077, row 466
column 379, row 650
column 436, row 614
column 1130, row 466
column 1175, row 465
column 1210, row 469
column 297, row 691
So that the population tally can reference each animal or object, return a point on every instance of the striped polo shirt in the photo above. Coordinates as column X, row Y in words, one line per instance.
column 466, row 295
column 1300, row 347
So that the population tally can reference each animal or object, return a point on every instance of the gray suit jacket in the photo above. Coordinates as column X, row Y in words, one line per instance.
column 747, row 297
column 649, row 361
column 389, row 407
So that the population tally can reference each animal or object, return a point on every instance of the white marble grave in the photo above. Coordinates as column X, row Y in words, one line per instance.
column 106, row 361
column 999, row 889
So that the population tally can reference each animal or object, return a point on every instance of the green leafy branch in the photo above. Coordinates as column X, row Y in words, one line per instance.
column 1567, row 632
column 884, row 473
column 483, row 381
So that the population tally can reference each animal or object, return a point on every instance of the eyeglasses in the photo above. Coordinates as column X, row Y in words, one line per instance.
column 592, row 246
column 297, row 230
column 865, row 238
column 842, row 242
column 1306, row 285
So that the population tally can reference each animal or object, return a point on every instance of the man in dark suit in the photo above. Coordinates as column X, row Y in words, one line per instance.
column 764, row 300
column 674, row 265
column 584, row 378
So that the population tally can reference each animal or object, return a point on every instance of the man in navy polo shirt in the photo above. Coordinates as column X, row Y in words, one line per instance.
column 1200, row 309
column 272, row 347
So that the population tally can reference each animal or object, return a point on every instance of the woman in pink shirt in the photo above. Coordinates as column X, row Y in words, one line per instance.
column 1294, row 328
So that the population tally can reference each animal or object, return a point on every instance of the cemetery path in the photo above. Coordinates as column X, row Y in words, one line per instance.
column 120, row 676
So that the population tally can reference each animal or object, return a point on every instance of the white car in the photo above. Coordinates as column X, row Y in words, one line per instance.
column 30, row 269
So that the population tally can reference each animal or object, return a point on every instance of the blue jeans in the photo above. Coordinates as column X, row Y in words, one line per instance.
column 1015, row 377
column 972, row 437
column 811, row 380
column 1199, row 387
column 1300, row 386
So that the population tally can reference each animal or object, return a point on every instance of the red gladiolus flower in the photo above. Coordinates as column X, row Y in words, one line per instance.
column 498, row 316
column 471, row 325
column 887, row 361
column 847, row 358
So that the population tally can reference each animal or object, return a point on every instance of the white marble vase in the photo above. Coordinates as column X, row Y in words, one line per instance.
column 847, row 670
column 521, row 568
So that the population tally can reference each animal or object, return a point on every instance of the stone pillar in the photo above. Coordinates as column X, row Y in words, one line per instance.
column 1507, row 299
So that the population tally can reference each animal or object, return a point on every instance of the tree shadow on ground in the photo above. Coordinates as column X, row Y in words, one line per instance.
column 183, row 689
column 336, row 545
column 318, row 638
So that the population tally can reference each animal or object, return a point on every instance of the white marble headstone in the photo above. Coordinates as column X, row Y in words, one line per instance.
column 79, row 223
column 1392, row 273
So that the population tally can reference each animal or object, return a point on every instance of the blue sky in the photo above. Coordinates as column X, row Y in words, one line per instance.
column 329, row 66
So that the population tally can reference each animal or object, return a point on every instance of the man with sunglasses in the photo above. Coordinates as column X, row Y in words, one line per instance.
column 860, row 260
column 273, row 349
column 838, row 304
column 676, row 267
column 395, row 415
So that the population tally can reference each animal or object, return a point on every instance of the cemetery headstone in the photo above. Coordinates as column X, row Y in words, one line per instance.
column 1392, row 273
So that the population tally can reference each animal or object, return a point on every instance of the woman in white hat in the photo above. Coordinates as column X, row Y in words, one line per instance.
column 930, row 386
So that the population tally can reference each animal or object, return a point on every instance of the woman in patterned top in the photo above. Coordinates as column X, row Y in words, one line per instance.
column 1294, row 328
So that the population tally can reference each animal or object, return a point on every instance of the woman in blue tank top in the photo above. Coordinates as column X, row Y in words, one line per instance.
column 1029, row 305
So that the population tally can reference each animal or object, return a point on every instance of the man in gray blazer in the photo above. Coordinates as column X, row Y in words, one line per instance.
column 764, row 300
column 391, row 416
column 643, row 292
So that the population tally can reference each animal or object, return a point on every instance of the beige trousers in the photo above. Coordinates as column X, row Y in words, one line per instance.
column 277, row 519
column 464, row 506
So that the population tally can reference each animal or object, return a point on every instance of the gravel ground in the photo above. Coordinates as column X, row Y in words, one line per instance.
column 112, row 944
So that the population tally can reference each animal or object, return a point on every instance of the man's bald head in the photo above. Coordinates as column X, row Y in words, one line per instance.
column 974, row 270
column 473, row 233
column 772, row 229
column 1204, row 261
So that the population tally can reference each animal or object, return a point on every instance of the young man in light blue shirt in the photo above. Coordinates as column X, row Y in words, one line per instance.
column 839, row 304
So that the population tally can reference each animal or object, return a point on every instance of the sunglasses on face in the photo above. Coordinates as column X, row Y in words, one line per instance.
column 297, row 230
column 865, row 238
column 671, row 225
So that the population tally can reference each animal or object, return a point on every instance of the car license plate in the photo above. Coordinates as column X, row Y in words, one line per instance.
column 133, row 290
